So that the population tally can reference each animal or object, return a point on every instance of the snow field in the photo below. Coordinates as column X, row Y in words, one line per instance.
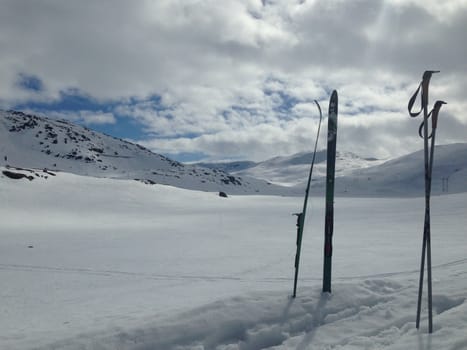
column 123, row 265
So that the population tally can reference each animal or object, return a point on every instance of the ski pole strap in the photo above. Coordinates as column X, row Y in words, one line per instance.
column 420, row 129
column 424, row 93
column 412, row 102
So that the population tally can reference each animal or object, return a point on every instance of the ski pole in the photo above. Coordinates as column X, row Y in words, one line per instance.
column 428, row 160
column 423, row 90
column 301, row 216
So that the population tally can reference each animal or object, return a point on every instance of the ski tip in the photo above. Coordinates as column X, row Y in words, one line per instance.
column 333, row 101
column 334, row 96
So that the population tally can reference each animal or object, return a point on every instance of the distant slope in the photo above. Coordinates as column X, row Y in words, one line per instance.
column 293, row 170
column 35, row 142
column 230, row 167
column 404, row 176
column 357, row 176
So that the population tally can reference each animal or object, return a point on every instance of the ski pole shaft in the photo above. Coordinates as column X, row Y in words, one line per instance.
column 420, row 284
column 434, row 120
column 297, row 254
column 430, row 297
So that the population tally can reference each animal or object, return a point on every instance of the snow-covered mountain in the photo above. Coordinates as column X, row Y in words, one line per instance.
column 34, row 142
column 404, row 176
column 293, row 170
column 29, row 141
column 357, row 176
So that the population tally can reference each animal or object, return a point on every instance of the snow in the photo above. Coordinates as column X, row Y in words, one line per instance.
column 95, row 263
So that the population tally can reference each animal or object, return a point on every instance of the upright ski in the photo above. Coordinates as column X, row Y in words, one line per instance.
column 301, row 216
column 330, row 175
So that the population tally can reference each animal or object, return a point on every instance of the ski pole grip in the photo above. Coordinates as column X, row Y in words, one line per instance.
column 425, row 83
column 427, row 74
column 435, row 112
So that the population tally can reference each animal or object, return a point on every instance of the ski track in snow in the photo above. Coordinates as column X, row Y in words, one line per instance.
column 114, row 273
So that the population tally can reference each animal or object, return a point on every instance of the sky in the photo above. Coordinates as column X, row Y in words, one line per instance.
column 236, row 79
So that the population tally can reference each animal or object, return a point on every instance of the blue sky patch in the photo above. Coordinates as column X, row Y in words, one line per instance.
column 30, row 82
column 124, row 128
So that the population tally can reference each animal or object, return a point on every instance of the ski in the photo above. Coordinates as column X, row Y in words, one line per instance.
column 330, row 175
column 428, row 160
column 301, row 216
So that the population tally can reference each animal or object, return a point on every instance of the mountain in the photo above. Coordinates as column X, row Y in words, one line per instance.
column 404, row 176
column 33, row 142
column 293, row 170
column 30, row 141
column 230, row 167
column 357, row 176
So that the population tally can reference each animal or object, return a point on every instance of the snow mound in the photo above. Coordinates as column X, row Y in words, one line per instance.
column 370, row 314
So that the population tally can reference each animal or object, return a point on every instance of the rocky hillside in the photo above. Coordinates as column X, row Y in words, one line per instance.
column 33, row 142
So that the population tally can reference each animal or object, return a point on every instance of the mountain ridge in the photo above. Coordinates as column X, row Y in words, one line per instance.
column 357, row 176
column 31, row 141
column 293, row 169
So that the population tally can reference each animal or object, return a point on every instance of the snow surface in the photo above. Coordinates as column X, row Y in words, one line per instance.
column 94, row 263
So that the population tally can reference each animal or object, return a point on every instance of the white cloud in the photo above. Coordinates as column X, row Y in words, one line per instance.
column 84, row 117
column 91, row 117
column 238, row 76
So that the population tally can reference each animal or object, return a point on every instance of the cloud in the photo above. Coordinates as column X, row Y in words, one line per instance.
column 90, row 118
column 84, row 117
column 240, row 76
column 252, row 143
